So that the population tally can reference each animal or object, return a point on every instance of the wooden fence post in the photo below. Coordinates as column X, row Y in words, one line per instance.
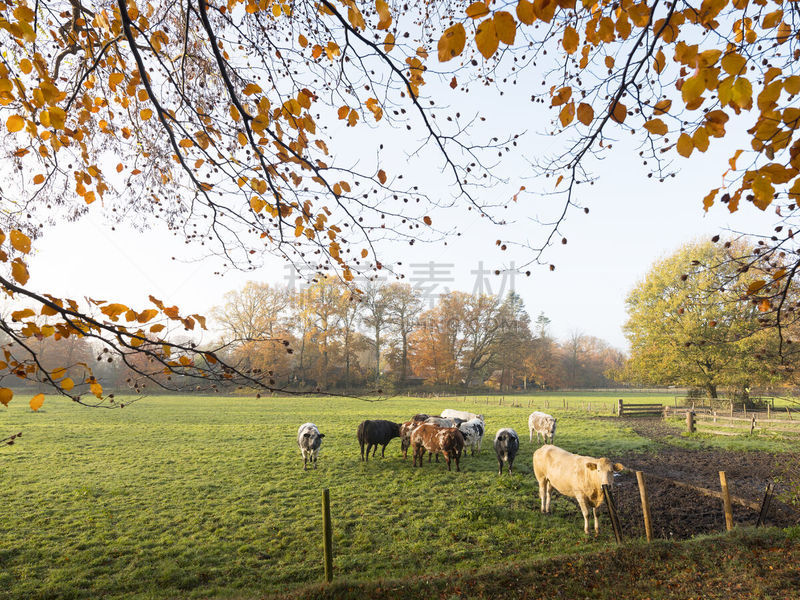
column 731, row 407
column 762, row 514
column 752, row 425
column 620, row 409
column 768, row 411
column 327, row 535
column 648, row 527
column 612, row 513
column 726, row 501
column 690, row 427
column 788, row 412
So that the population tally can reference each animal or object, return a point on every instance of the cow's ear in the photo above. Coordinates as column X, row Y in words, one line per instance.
column 618, row 467
column 322, row 435
column 591, row 466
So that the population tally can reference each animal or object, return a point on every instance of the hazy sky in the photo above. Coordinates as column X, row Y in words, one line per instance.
column 633, row 221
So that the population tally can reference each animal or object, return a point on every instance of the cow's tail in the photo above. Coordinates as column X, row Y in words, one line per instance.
column 360, row 432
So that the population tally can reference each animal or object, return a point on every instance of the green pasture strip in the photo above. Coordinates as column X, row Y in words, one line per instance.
column 206, row 497
column 597, row 402
column 751, row 564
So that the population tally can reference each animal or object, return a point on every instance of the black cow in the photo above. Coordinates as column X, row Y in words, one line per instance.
column 376, row 433
column 506, row 445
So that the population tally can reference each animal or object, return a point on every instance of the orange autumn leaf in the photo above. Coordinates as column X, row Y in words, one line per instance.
column 36, row 402
column 452, row 42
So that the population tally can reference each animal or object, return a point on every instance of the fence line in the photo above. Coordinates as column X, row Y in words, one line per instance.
column 728, row 424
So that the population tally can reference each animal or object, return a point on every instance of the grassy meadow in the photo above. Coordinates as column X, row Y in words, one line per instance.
column 206, row 497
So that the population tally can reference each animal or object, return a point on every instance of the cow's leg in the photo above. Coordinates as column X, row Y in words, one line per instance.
column 596, row 523
column 510, row 464
column 500, row 465
column 447, row 458
column 458, row 459
column 585, row 510
column 383, row 449
column 362, row 450
column 542, row 493
column 374, row 450
column 305, row 460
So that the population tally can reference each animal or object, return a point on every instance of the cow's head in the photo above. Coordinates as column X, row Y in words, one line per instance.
column 605, row 470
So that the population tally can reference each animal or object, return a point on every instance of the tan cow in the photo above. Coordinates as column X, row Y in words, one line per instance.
column 580, row 477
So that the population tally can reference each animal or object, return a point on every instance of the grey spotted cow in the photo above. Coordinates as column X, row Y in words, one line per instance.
column 506, row 446
column 309, row 439
column 542, row 424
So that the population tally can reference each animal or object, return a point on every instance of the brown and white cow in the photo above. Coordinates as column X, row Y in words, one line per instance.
column 445, row 440
column 406, row 429
column 580, row 477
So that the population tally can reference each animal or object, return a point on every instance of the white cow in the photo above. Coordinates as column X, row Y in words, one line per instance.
column 544, row 425
column 440, row 421
column 449, row 413
column 309, row 439
column 580, row 477
column 472, row 431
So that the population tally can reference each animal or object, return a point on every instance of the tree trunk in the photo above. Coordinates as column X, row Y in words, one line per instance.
column 377, row 354
column 404, row 367
column 711, row 389
column 347, row 363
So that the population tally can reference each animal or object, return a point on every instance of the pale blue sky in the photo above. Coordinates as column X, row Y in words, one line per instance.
column 632, row 222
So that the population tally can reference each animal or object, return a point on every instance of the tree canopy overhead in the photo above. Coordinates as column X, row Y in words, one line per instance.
column 225, row 120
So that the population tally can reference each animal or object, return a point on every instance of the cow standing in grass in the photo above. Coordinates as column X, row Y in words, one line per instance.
column 579, row 477
column 309, row 439
column 378, row 432
column 472, row 431
column 463, row 415
column 447, row 441
column 544, row 425
column 506, row 446
column 406, row 429
column 441, row 421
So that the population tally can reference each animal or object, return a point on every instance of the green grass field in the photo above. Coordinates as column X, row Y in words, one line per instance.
column 206, row 497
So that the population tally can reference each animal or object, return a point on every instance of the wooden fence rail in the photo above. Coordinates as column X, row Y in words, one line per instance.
column 723, row 424
column 638, row 410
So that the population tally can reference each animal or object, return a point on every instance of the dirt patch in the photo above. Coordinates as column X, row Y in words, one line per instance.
column 679, row 512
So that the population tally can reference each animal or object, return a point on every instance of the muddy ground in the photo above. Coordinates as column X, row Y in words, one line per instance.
column 678, row 512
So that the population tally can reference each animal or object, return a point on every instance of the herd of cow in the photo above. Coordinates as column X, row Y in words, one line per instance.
column 580, row 477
